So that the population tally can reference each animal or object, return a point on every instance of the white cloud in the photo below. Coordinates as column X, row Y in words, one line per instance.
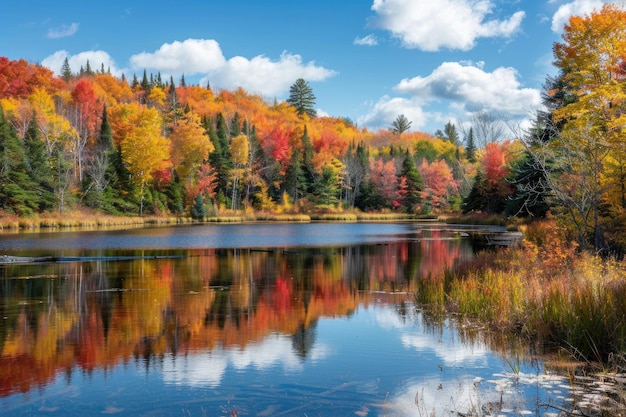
column 204, row 57
column 474, row 88
column 192, row 56
column 369, row 40
column 63, row 31
column 453, row 91
column 259, row 74
column 263, row 76
column 96, row 60
column 431, row 25
column 574, row 8
column 385, row 111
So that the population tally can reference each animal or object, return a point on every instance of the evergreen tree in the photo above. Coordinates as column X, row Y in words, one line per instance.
column 175, row 195
column 302, row 98
column 38, row 166
column 17, row 193
column 470, row 147
column 531, row 191
column 101, row 170
column 66, row 71
column 220, row 158
column 413, row 183
column 449, row 134
column 295, row 180
column 484, row 197
column 198, row 210
column 400, row 125
column 235, row 126
column 145, row 84
column 327, row 187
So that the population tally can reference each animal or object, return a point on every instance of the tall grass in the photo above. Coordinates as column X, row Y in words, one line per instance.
column 544, row 290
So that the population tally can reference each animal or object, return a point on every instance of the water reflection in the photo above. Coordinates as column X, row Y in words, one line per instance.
column 264, row 330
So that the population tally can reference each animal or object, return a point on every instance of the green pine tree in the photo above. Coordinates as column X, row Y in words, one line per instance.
column 414, row 183
column 38, row 166
column 302, row 98
column 17, row 190
column 66, row 71
column 470, row 146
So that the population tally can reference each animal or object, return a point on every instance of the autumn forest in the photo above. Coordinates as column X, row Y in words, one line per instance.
column 151, row 146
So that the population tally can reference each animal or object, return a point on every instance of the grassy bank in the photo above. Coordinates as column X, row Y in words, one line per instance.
column 544, row 290
column 92, row 220
column 72, row 220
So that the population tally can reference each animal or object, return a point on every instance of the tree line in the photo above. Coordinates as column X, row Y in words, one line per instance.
column 89, row 139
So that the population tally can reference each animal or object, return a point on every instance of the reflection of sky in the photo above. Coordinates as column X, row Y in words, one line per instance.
column 467, row 381
column 449, row 352
column 207, row 369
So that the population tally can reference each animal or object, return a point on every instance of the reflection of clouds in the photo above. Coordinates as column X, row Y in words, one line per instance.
column 449, row 353
column 195, row 370
column 388, row 318
column 412, row 335
column 208, row 369
column 438, row 397
column 274, row 349
column 506, row 394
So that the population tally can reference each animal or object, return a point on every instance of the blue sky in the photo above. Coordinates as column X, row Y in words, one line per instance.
column 368, row 60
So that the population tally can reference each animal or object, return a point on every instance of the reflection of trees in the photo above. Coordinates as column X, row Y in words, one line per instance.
column 99, row 314
column 304, row 339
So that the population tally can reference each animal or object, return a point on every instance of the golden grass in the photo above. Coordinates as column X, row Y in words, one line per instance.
column 301, row 218
column 334, row 217
column 572, row 300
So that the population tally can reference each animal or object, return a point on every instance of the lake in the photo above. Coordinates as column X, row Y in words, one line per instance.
column 313, row 319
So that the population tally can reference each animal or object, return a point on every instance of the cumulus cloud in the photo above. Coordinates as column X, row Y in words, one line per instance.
column 456, row 90
column 477, row 89
column 259, row 74
column 192, row 56
column 204, row 58
column 385, row 111
column 369, row 40
column 63, row 31
column 573, row 8
column 96, row 60
column 431, row 25
column 264, row 76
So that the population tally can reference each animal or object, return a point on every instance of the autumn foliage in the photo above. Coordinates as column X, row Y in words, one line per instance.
column 161, row 146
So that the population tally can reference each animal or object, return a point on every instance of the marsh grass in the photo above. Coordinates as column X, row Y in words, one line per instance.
column 477, row 219
column 366, row 217
column 549, row 293
column 543, row 290
column 335, row 217
column 301, row 218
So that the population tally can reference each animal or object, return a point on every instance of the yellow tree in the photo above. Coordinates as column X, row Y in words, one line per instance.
column 144, row 149
column 591, row 149
column 190, row 146
column 55, row 129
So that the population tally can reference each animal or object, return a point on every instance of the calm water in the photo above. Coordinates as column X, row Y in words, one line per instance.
column 249, row 320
